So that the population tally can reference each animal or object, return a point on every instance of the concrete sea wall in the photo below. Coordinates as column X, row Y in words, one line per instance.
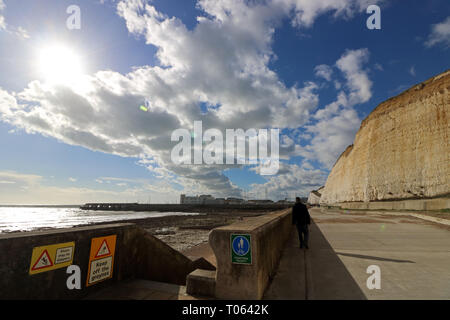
column 137, row 254
column 32, row 268
column 419, row 205
column 268, row 234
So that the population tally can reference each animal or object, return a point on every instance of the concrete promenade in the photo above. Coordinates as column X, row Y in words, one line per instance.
column 413, row 256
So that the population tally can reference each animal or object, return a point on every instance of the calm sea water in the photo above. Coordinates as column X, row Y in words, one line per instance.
column 32, row 218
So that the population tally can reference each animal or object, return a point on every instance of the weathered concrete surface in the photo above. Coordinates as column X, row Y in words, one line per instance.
column 203, row 250
column 138, row 289
column 401, row 151
column 419, row 204
column 413, row 255
column 16, row 283
column 137, row 255
column 201, row 282
column 269, row 234
column 289, row 282
column 314, row 274
column 152, row 259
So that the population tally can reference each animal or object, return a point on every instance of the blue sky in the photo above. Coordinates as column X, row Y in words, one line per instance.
column 312, row 69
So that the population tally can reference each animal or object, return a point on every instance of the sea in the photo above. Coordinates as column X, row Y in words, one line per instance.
column 13, row 219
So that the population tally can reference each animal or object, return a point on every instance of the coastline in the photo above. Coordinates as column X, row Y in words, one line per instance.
column 182, row 232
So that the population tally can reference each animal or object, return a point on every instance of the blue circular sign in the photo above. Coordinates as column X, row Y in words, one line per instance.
column 241, row 246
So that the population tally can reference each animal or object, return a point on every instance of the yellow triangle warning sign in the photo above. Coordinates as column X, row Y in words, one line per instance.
column 103, row 250
column 43, row 261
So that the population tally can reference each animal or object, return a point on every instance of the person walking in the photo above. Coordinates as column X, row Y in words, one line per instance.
column 302, row 219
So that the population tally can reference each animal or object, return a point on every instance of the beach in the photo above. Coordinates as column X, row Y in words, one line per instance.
column 183, row 231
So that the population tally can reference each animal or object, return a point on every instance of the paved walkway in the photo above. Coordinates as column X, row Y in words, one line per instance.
column 413, row 256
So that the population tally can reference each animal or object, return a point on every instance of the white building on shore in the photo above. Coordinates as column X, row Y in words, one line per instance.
column 201, row 199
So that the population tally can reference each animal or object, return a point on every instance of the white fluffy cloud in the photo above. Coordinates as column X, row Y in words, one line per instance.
column 332, row 135
column 323, row 71
column 440, row 34
column 18, row 31
column 223, row 63
column 306, row 11
column 358, row 80
column 2, row 18
column 292, row 180
column 338, row 122
column 21, row 188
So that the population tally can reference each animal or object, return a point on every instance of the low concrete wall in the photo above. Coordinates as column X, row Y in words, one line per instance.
column 155, row 260
column 137, row 255
column 419, row 204
column 269, row 234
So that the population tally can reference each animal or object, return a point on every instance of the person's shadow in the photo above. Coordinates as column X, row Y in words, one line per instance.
column 313, row 274
column 327, row 276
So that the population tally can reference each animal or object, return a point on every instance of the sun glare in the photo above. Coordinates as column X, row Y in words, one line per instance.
column 59, row 65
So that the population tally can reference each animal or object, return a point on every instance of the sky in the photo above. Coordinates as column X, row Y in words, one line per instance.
column 72, row 130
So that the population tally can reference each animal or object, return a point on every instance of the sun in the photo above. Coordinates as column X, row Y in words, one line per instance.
column 59, row 64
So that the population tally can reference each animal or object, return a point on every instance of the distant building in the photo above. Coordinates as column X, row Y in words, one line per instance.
column 190, row 200
column 232, row 200
column 201, row 199
column 265, row 201
column 209, row 199
column 220, row 200
column 285, row 201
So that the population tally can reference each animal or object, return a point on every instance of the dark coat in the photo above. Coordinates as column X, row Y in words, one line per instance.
column 300, row 214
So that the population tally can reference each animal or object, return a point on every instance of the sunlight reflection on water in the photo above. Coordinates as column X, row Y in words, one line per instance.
column 32, row 218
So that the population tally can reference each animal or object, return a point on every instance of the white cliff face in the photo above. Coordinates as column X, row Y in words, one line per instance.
column 401, row 150
column 314, row 196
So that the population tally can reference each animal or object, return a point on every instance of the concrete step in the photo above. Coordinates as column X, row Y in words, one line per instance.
column 139, row 289
column 201, row 282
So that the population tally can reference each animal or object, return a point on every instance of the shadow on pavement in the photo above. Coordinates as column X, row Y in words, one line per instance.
column 327, row 277
column 373, row 258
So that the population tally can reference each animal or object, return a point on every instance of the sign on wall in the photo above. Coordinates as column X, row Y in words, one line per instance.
column 51, row 257
column 241, row 249
column 101, row 259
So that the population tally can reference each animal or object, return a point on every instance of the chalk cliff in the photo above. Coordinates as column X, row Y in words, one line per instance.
column 401, row 150
column 314, row 196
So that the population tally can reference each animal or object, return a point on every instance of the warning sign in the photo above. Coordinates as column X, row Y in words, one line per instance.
column 44, row 261
column 51, row 257
column 101, row 269
column 103, row 250
column 64, row 254
column 101, row 259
